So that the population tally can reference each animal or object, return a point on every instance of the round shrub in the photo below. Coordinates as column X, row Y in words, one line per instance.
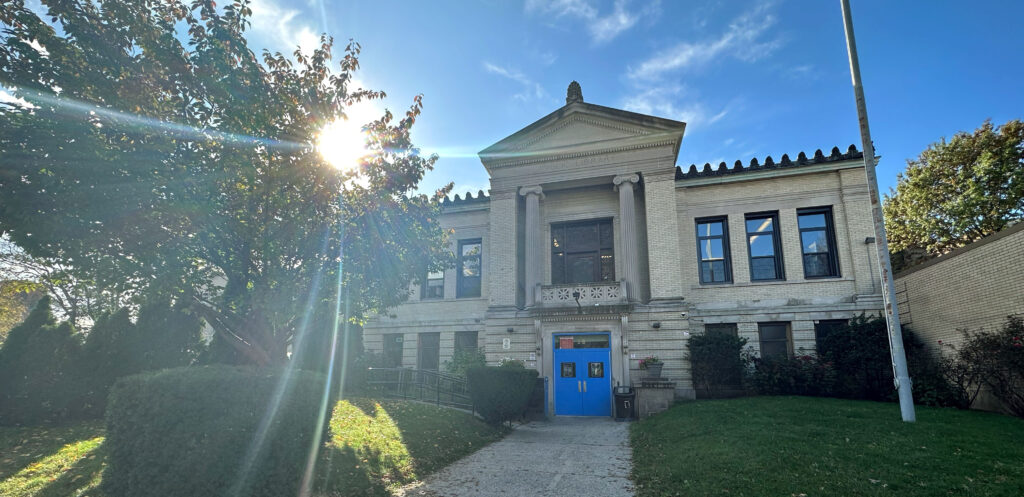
column 210, row 431
column 501, row 393
column 717, row 363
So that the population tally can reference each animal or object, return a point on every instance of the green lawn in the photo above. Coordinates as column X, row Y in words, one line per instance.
column 51, row 461
column 379, row 445
column 802, row 446
column 375, row 446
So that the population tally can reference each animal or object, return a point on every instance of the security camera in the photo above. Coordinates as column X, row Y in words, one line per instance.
column 682, row 314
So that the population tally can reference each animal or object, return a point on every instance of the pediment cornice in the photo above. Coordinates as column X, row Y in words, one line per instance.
column 553, row 137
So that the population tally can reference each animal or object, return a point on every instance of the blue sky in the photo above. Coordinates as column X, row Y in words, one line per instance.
column 751, row 78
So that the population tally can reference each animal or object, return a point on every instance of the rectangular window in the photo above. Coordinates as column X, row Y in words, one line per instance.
column 764, row 247
column 599, row 341
column 825, row 327
column 433, row 286
column 713, row 250
column 470, row 268
column 429, row 351
column 774, row 338
column 727, row 328
column 393, row 350
column 818, row 242
column 582, row 252
column 466, row 341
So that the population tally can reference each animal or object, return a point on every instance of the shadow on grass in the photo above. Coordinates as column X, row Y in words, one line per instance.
column 83, row 477
column 74, row 469
column 21, row 447
column 377, row 446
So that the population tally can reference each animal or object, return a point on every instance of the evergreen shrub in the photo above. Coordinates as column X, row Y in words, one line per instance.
column 210, row 431
column 38, row 371
column 717, row 363
column 501, row 394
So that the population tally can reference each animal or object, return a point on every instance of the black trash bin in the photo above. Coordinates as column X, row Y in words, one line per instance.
column 625, row 402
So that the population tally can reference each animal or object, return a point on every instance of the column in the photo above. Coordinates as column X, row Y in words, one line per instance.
column 533, row 258
column 630, row 256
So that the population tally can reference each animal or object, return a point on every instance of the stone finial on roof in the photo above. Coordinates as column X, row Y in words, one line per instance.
column 574, row 93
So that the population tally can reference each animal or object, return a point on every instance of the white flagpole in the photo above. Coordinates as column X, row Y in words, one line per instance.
column 901, row 377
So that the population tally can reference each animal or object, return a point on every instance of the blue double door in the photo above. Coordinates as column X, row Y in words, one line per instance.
column 583, row 385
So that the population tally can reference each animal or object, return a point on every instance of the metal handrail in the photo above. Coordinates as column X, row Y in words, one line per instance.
column 420, row 384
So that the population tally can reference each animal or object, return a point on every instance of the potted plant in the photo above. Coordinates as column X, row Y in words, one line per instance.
column 652, row 365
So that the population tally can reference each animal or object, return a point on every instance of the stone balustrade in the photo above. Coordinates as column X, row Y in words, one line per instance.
column 601, row 293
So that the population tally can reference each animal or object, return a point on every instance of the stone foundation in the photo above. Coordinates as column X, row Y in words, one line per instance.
column 654, row 396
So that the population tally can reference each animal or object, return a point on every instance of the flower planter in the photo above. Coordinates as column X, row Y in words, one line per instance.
column 654, row 370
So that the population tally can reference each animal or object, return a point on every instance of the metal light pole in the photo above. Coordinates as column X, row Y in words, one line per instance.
column 901, row 377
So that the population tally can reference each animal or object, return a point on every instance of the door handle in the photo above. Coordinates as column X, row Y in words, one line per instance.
column 584, row 386
column 578, row 388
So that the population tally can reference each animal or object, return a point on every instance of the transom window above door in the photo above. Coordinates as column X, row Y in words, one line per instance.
column 582, row 252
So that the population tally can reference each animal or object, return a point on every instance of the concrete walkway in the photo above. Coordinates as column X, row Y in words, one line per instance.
column 568, row 456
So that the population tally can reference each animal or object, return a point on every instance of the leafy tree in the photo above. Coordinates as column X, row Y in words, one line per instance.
column 178, row 163
column 958, row 191
column 74, row 295
column 17, row 298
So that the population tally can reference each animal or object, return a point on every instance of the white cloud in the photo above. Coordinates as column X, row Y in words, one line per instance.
column 741, row 40
column 531, row 89
column 281, row 28
column 602, row 28
column 662, row 101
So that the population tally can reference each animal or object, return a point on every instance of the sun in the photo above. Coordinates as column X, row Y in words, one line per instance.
column 342, row 143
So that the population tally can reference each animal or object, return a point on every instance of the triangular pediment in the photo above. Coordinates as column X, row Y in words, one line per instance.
column 582, row 128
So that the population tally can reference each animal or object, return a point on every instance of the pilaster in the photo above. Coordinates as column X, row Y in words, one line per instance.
column 628, row 233
column 663, row 252
column 532, row 271
column 501, row 259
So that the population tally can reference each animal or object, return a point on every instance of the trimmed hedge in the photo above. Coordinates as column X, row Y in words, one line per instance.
column 191, row 432
column 501, row 393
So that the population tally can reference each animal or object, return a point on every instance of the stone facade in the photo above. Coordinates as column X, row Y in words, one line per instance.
column 586, row 162
column 973, row 288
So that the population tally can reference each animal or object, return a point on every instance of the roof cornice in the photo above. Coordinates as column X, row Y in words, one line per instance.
column 707, row 175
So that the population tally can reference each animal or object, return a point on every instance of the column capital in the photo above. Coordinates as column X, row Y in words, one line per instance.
column 532, row 190
column 626, row 178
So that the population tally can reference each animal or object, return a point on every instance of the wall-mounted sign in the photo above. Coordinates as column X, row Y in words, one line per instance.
column 506, row 343
column 565, row 342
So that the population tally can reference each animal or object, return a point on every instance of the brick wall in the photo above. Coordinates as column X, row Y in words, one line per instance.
column 973, row 288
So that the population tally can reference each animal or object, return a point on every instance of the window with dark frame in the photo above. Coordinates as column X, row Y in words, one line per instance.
column 470, row 268
column 764, row 247
column 727, row 328
column 393, row 350
column 429, row 347
column 433, row 286
column 774, row 340
column 713, row 250
column 582, row 252
column 826, row 327
column 818, row 242
column 466, row 341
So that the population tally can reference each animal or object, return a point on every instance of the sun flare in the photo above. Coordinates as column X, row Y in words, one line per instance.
column 342, row 142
